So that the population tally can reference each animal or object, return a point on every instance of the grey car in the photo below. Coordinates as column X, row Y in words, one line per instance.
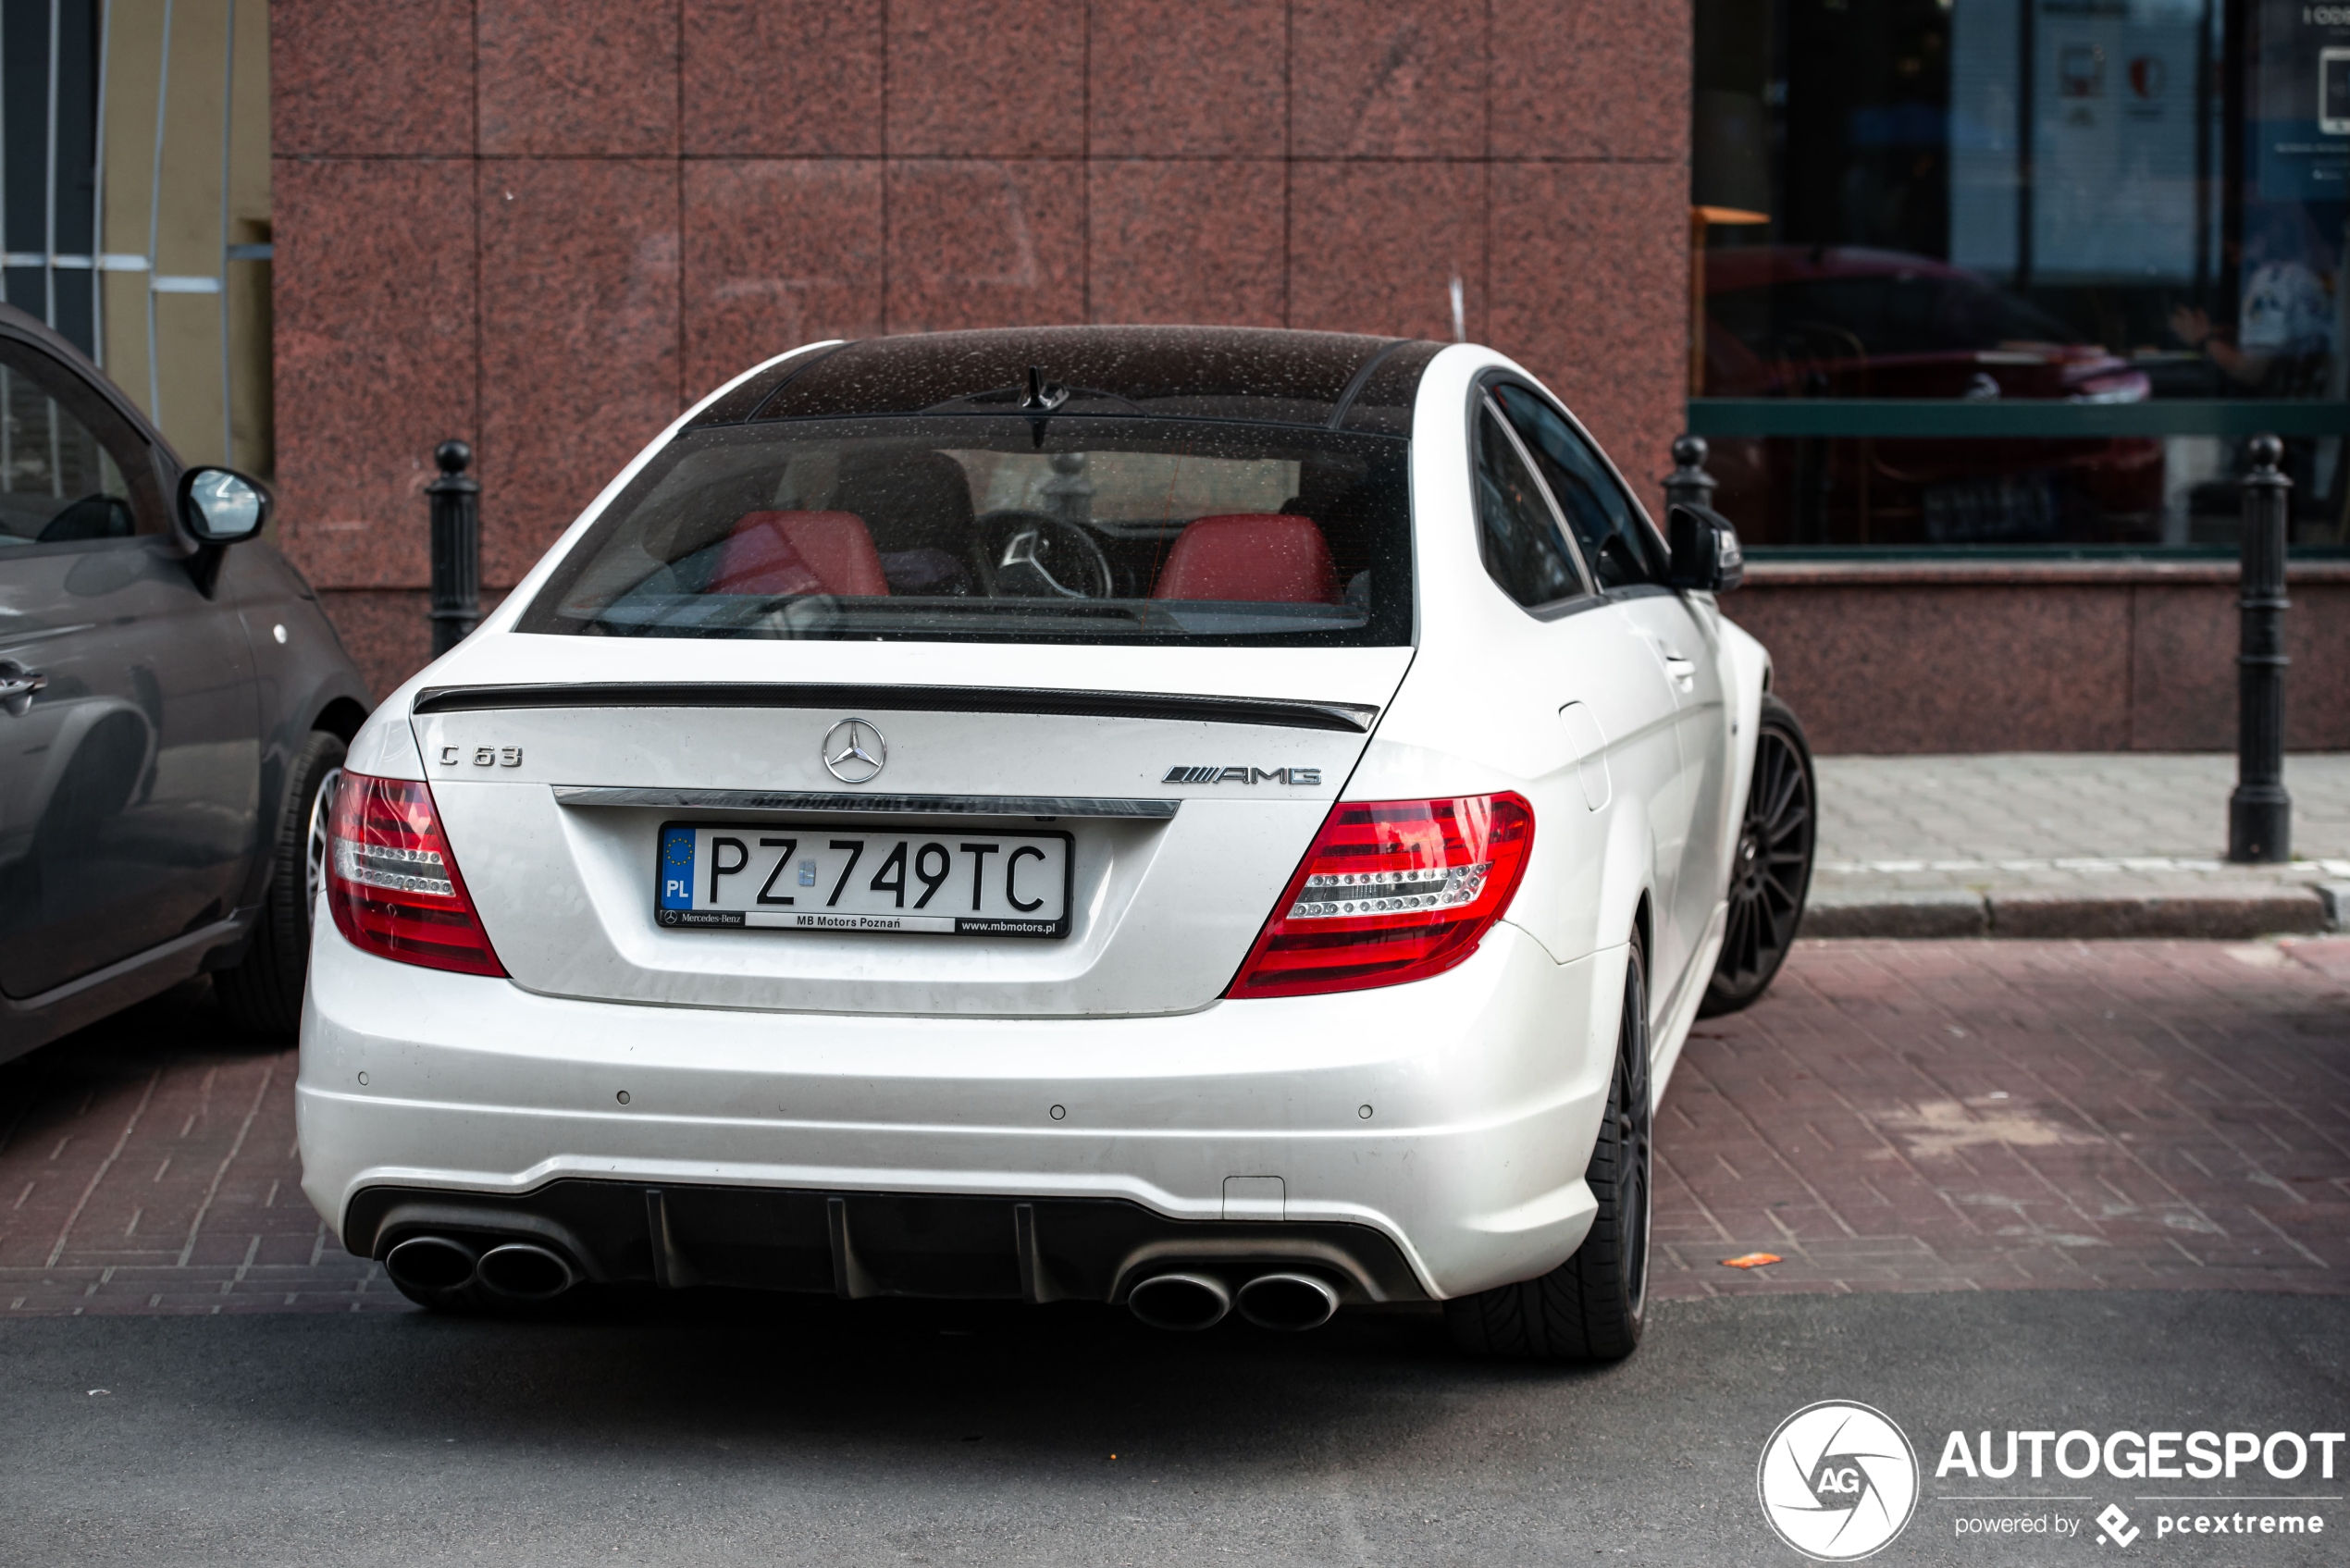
column 173, row 703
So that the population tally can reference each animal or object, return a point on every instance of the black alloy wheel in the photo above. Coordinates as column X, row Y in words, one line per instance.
column 1770, row 872
column 1592, row 1306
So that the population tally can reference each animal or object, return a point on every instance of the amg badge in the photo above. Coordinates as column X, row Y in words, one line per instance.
column 1242, row 775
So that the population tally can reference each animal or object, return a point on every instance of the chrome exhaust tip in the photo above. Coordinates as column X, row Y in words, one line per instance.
column 526, row 1271
column 1181, row 1303
column 431, row 1263
column 1290, row 1303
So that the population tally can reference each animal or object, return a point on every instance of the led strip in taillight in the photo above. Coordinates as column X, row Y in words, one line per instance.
column 379, row 865
column 1328, row 896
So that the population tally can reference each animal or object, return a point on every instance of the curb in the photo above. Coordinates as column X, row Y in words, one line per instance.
column 2210, row 913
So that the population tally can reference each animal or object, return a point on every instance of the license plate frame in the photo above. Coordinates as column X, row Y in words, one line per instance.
column 965, row 869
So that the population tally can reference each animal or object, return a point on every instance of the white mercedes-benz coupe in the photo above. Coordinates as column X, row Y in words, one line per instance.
column 1206, row 820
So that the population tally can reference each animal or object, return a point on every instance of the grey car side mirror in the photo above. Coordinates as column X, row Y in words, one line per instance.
column 220, row 506
column 1705, row 549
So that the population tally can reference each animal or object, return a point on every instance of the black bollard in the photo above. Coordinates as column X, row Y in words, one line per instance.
column 456, row 546
column 2260, row 812
column 1689, row 483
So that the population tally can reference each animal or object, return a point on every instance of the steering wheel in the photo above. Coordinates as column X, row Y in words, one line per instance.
column 1023, row 555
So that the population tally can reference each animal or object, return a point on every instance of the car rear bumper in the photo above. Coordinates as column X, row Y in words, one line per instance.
column 1446, row 1123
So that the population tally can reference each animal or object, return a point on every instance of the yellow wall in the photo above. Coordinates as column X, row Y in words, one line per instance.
column 178, row 199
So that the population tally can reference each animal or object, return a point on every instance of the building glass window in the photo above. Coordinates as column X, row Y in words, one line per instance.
column 2019, row 274
column 146, row 247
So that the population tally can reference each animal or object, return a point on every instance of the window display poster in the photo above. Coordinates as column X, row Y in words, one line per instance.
column 2299, row 137
column 2114, row 127
column 2114, row 139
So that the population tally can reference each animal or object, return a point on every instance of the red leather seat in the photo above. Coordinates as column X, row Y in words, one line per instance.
column 1255, row 557
column 800, row 552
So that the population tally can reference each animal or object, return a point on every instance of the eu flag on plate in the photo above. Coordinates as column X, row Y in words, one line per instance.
column 677, row 867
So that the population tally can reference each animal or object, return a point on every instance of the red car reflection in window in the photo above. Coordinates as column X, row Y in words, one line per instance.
column 1795, row 321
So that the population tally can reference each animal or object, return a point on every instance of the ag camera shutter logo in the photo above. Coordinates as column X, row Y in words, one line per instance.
column 1837, row 1481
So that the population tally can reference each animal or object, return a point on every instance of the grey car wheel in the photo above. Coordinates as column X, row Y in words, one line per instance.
column 314, row 856
column 264, row 991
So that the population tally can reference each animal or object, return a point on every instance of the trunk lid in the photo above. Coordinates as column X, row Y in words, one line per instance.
column 1188, row 781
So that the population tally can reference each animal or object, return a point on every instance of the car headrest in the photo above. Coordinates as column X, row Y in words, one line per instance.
column 800, row 552
column 909, row 499
column 1256, row 557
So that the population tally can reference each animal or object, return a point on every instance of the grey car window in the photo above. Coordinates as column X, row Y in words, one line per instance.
column 1622, row 548
column 1517, row 532
column 71, row 469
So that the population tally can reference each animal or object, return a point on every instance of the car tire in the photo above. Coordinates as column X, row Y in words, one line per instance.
column 263, row 993
column 1590, row 1307
column 1771, row 869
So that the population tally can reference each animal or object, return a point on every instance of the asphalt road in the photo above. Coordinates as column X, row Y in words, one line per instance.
column 766, row 1432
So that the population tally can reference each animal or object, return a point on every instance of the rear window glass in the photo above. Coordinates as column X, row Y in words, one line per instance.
column 1001, row 529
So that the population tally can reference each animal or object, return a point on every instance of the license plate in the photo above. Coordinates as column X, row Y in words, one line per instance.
column 792, row 876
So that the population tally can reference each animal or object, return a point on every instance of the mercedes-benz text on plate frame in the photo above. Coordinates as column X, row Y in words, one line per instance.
column 855, row 752
column 800, row 876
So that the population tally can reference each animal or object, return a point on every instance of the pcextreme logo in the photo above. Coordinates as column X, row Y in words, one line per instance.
column 1837, row 1481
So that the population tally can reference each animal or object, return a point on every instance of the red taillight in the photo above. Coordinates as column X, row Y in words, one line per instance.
column 1392, row 889
column 392, row 883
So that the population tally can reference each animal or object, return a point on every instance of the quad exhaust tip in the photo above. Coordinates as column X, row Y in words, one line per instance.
column 526, row 1271
column 1182, row 1303
column 1186, row 1302
column 431, row 1263
column 442, row 1265
column 1291, row 1303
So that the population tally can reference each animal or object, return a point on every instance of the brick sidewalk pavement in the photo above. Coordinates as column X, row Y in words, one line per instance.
column 1894, row 1117
column 147, row 1164
column 1959, row 1116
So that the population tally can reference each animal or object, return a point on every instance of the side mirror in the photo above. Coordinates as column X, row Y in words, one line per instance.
column 1705, row 549
column 220, row 506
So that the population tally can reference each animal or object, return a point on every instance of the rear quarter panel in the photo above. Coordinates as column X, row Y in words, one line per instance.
column 1478, row 710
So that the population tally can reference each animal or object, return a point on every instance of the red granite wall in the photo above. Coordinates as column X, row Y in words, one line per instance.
column 548, row 225
column 1913, row 657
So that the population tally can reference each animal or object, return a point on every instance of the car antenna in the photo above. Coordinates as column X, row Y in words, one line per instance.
column 1043, row 396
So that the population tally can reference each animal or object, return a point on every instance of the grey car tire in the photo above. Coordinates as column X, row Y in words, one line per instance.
column 263, row 993
column 1592, row 1306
